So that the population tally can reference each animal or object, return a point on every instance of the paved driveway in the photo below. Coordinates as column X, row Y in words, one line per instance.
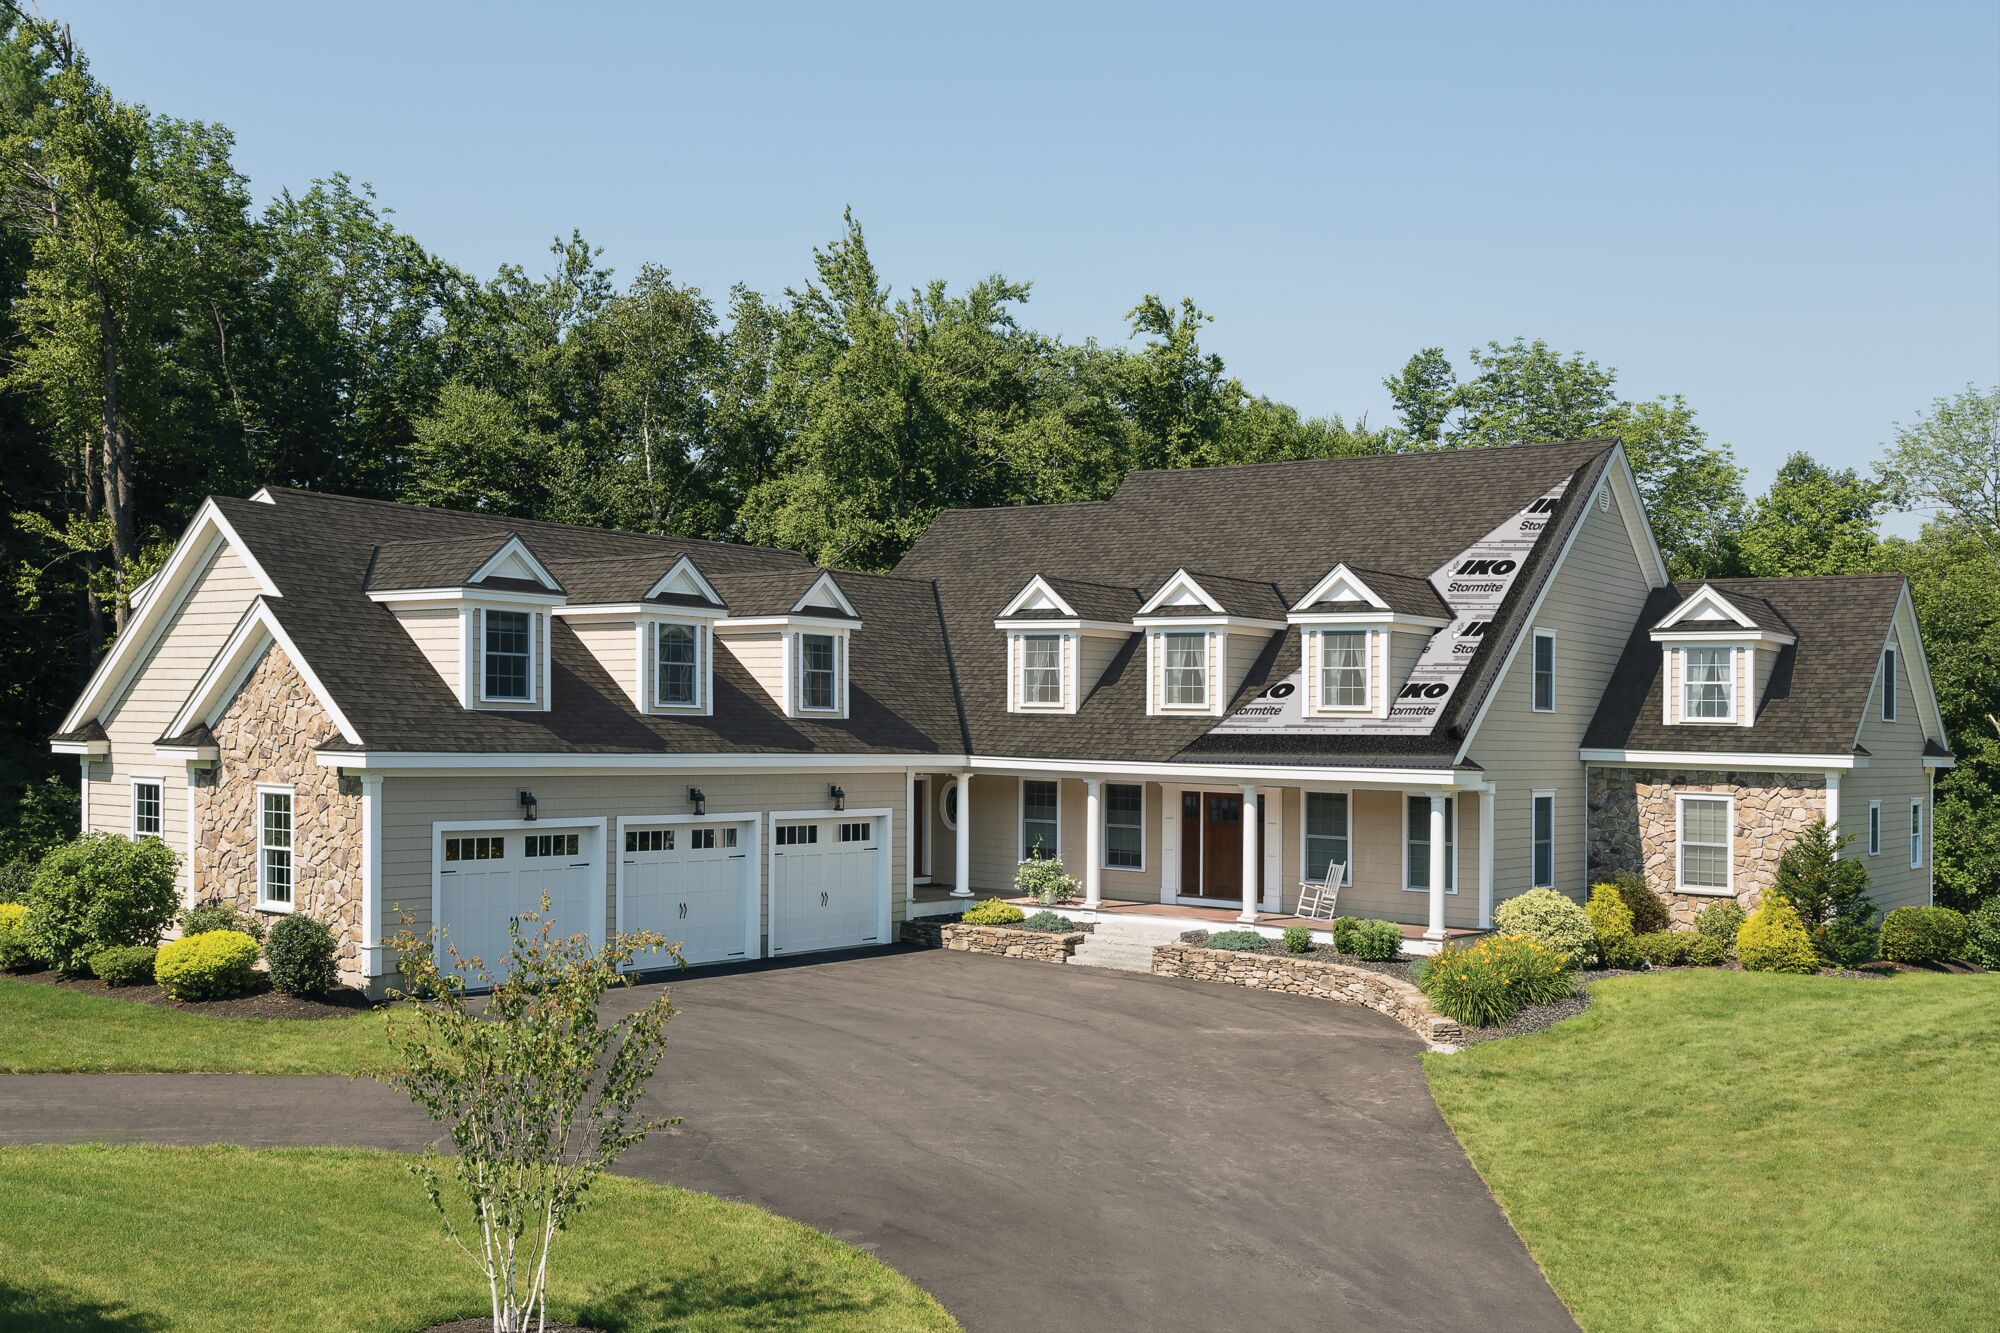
column 1042, row 1147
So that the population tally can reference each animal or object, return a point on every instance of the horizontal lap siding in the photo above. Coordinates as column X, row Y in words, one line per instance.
column 615, row 645
column 1895, row 776
column 763, row 656
column 438, row 636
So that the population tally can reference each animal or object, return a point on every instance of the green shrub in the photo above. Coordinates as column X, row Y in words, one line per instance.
column 1552, row 918
column 1847, row 943
column 1829, row 893
column 1376, row 941
column 124, row 964
column 1611, row 923
column 992, row 912
column 1924, row 935
column 15, row 878
column 98, row 891
column 1050, row 921
column 1298, row 939
column 300, row 952
column 1706, row 950
column 1044, row 879
column 1491, row 981
column 1771, row 939
column 1982, row 933
column 1719, row 921
column 216, row 914
column 1246, row 941
column 210, row 966
column 1649, row 913
column 1342, row 929
column 1664, row 948
column 15, row 954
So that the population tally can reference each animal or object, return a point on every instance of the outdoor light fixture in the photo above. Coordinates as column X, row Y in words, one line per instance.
column 695, row 796
column 528, row 805
column 839, row 798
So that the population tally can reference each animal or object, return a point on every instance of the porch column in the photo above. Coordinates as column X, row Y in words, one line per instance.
column 1253, row 855
column 962, row 845
column 1093, row 843
column 1488, row 796
column 1437, row 859
column 1833, row 808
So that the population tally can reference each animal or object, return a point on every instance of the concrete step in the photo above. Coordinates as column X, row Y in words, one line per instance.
column 1123, row 953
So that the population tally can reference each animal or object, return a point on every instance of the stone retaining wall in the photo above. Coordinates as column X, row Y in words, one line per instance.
column 1316, row 977
column 1041, row 945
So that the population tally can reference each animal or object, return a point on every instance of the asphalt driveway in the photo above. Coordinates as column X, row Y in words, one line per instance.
column 1042, row 1147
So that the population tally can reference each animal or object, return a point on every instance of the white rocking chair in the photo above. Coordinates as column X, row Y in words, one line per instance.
column 1321, row 902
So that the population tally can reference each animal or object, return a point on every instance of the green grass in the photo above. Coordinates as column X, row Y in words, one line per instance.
column 125, row 1239
column 48, row 1030
column 1709, row 1150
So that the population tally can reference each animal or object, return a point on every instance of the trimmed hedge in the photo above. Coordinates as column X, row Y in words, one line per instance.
column 1298, row 939
column 1375, row 941
column 300, row 951
column 992, row 912
column 1663, row 948
column 1491, row 981
column 125, row 964
column 1924, row 935
column 1773, row 939
column 213, row 965
column 1052, row 922
column 15, row 955
column 1553, row 919
column 1706, row 951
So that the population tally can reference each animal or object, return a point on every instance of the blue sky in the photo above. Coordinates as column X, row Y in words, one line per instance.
column 1788, row 213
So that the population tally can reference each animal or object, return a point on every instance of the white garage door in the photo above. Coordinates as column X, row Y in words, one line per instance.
column 487, row 879
column 827, row 885
column 691, row 883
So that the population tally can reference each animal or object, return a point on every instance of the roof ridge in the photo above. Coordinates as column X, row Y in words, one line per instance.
column 1606, row 441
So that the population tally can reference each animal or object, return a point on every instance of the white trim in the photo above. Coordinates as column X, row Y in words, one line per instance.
column 1375, row 619
column 824, row 584
column 1451, row 828
column 796, row 620
column 1037, row 589
column 1887, row 673
column 1068, row 654
column 1874, row 833
column 192, row 755
column 83, row 797
column 651, row 674
column 1919, row 830
column 87, row 749
column 133, row 781
column 684, row 570
column 192, row 839
column 753, row 869
column 1315, row 647
column 514, row 546
column 373, row 964
column 1021, row 818
column 265, row 903
column 1181, row 590
column 1705, row 596
column 1156, row 679
column 632, row 610
column 258, row 615
column 1729, row 855
column 1196, row 775
column 1730, row 719
column 1720, row 759
column 1104, row 828
column 795, row 647
column 395, row 597
column 1340, row 576
column 1489, row 797
column 945, row 816
column 1534, row 671
column 885, row 841
column 431, row 761
column 1734, row 639
column 1548, row 794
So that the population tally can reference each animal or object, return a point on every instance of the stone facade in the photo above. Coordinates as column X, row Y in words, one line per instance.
column 1632, row 826
column 1316, row 977
column 267, row 735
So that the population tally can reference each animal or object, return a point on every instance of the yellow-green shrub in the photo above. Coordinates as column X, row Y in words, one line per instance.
column 1773, row 939
column 1611, row 922
column 14, row 954
column 992, row 912
column 210, row 966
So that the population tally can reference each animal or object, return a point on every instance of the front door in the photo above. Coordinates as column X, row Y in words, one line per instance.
column 1212, row 845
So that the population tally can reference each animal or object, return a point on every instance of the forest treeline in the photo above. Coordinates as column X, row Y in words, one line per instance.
column 165, row 339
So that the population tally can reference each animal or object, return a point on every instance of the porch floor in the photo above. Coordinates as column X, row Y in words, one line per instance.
column 1218, row 917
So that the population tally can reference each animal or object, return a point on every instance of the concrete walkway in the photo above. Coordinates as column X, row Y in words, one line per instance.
column 1054, row 1148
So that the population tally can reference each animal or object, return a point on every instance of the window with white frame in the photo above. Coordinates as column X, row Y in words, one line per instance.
column 677, row 669
column 1124, row 826
column 1417, row 844
column 1327, row 835
column 508, row 672
column 1185, row 662
column 1343, row 668
column 1041, row 820
column 274, row 849
column 819, row 672
column 1888, row 684
column 146, row 802
column 1041, row 670
column 1708, row 684
column 1874, row 828
column 1916, row 835
column 1706, row 842
column 1544, row 698
column 1542, row 837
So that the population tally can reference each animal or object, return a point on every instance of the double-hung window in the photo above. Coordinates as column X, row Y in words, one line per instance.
column 1544, row 700
column 1041, row 817
column 1888, row 684
column 1343, row 668
column 1186, row 664
column 677, row 679
column 1041, row 670
column 509, row 656
column 818, row 672
column 1706, row 842
column 1326, row 835
column 1916, row 835
column 1708, row 686
column 146, row 807
column 274, row 848
column 1542, row 836
column 1124, row 826
column 1417, row 848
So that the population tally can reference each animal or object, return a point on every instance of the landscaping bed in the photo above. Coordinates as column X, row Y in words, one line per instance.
column 1017, row 938
column 1299, row 974
column 261, row 1002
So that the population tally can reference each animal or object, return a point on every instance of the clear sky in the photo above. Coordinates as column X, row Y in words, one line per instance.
column 1788, row 213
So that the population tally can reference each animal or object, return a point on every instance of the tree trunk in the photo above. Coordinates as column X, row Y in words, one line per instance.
column 116, row 467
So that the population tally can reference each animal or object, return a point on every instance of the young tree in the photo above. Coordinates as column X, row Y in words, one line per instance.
column 1813, row 520
column 1830, row 894
column 540, row 1095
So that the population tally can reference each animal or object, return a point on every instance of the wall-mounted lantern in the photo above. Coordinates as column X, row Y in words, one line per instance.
column 695, row 798
column 528, row 806
column 839, row 796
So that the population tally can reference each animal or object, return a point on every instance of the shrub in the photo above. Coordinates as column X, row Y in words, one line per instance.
column 1847, row 943
column 1246, row 941
column 1044, row 879
column 1982, row 933
column 1052, row 922
column 992, row 912
column 218, row 915
column 1706, row 950
column 1829, row 894
column 98, row 891
column 300, row 952
column 210, row 966
column 1663, row 948
column 1552, row 918
column 1611, row 923
column 1923, row 935
column 1342, row 930
column 15, row 877
column 124, row 964
column 1376, row 941
column 1771, row 939
column 1719, row 921
column 1491, row 981
column 1298, row 939
column 15, row 955
column 1649, row 913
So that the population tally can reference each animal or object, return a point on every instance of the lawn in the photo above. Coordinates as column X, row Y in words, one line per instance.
column 137, row 1238
column 1710, row 1150
column 46, row 1030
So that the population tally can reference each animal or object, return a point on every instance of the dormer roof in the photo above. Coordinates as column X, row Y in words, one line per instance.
column 1186, row 593
column 499, row 564
column 808, row 592
column 1349, row 591
column 1047, row 597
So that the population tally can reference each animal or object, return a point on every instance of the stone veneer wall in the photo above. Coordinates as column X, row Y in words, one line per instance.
column 1632, row 821
column 1043, row 946
column 267, row 735
column 1316, row 977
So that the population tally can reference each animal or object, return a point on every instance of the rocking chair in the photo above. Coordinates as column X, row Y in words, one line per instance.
column 1320, row 902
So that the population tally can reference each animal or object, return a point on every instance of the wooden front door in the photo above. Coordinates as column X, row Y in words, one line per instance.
column 1222, row 845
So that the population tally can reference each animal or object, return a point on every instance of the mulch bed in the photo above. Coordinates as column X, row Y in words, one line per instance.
column 262, row 1003
column 1324, row 953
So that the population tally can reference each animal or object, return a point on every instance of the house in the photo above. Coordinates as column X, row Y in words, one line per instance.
column 1456, row 674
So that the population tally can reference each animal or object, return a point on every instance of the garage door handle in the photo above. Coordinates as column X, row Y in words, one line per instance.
column 579, row 865
column 822, row 899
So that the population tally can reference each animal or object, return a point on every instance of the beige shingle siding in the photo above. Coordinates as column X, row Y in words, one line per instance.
column 439, row 637
column 1098, row 652
column 762, row 654
column 615, row 645
column 1895, row 776
column 1592, row 605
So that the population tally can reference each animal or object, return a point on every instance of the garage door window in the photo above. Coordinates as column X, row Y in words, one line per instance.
column 474, row 849
column 863, row 831
column 551, row 844
column 649, row 840
column 797, row 835
column 701, row 839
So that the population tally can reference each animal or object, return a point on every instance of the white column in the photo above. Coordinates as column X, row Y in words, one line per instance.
column 962, row 844
column 193, row 835
column 371, row 876
column 83, row 800
column 1833, row 807
column 1253, row 855
column 1437, row 859
column 1488, row 797
column 1093, row 843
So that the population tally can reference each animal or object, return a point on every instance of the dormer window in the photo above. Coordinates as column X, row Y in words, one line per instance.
column 819, row 672
column 1184, row 659
column 1041, row 670
column 1343, row 669
column 677, row 677
column 1708, row 684
column 508, row 674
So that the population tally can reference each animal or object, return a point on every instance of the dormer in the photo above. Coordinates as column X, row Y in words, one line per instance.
column 1716, row 656
column 1203, row 633
column 478, row 609
column 795, row 643
column 1360, row 634
column 1061, row 635
column 660, row 646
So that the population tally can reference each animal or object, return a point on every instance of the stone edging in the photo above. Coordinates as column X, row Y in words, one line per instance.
column 1316, row 977
column 1041, row 945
